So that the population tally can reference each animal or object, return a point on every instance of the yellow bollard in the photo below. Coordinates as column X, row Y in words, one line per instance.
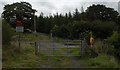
column 51, row 36
column 91, row 40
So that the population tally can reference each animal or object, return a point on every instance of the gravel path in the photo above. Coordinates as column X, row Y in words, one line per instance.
column 47, row 44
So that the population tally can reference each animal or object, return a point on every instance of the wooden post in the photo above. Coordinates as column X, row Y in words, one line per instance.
column 39, row 47
column 19, row 41
column 82, row 47
column 51, row 36
column 53, row 48
column 36, row 48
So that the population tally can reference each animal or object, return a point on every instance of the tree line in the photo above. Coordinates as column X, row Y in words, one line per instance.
column 99, row 19
column 103, row 22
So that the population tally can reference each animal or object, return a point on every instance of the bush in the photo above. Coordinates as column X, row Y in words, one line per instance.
column 55, row 30
column 101, row 47
column 60, row 31
column 99, row 28
column 115, row 40
column 7, row 33
column 85, row 35
column 89, row 52
column 102, row 61
column 102, row 29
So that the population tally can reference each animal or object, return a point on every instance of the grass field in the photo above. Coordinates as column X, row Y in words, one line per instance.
column 101, row 61
column 25, row 57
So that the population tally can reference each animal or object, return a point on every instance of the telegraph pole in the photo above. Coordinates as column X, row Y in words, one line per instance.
column 34, row 24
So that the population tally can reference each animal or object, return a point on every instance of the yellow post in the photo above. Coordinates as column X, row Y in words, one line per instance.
column 91, row 40
column 51, row 36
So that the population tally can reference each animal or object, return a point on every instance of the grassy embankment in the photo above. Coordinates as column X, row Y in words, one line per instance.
column 103, row 60
column 26, row 57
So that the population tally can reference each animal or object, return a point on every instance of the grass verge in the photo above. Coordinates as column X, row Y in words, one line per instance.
column 102, row 61
column 24, row 57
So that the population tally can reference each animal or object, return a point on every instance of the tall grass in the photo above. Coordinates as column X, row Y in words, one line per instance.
column 26, row 58
column 102, row 61
column 100, row 56
column 101, row 47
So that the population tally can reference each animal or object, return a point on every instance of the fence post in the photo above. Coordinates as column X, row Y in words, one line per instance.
column 19, row 41
column 36, row 48
column 83, row 47
column 39, row 47
column 53, row 48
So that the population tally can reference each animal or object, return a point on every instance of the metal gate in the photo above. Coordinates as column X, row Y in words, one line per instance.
column 60, row 48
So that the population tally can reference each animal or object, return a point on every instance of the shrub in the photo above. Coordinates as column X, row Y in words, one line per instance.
column 115, row 40
column 7, row 33
column 101, row 47
column 60, row 31
column 89, row 52
column 55, row 30
column 102, row 29
column 85, row 35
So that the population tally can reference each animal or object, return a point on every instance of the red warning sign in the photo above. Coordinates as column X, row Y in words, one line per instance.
column 19, row 24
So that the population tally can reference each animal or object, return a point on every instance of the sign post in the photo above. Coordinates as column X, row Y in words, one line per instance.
column 19, row 28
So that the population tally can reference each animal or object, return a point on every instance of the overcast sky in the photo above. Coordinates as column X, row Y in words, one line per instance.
column 49, row 7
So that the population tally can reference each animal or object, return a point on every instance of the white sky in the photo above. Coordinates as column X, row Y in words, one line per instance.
column 62, row 6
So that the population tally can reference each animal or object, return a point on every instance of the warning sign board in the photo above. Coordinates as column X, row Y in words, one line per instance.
column 19, row 29
column 19, row 26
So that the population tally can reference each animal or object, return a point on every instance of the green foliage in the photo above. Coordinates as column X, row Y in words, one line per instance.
column 19, row 11
column 60, row 31
column 55, row 30
column 101, row 47
column 101, row 12
column 40, row 23
column 63, row 32
column 102, row 29
column 7, row 33
column 115, row 40
column 27, row 58
column 97, row 19
column 76, row 16
column 81, row 29
column 102, row 61
column 85, row 35
column 44, row 24
column 89, row 52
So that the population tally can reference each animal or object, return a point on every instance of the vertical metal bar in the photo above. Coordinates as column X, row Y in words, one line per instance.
column 19, row 41
column 39, row 46
column 36, row 48
column 53, row 48
column 81, row 48
column 84, row 46
column 83, row 42
column 34, row 24
column 67, row 47
column 67, row 50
